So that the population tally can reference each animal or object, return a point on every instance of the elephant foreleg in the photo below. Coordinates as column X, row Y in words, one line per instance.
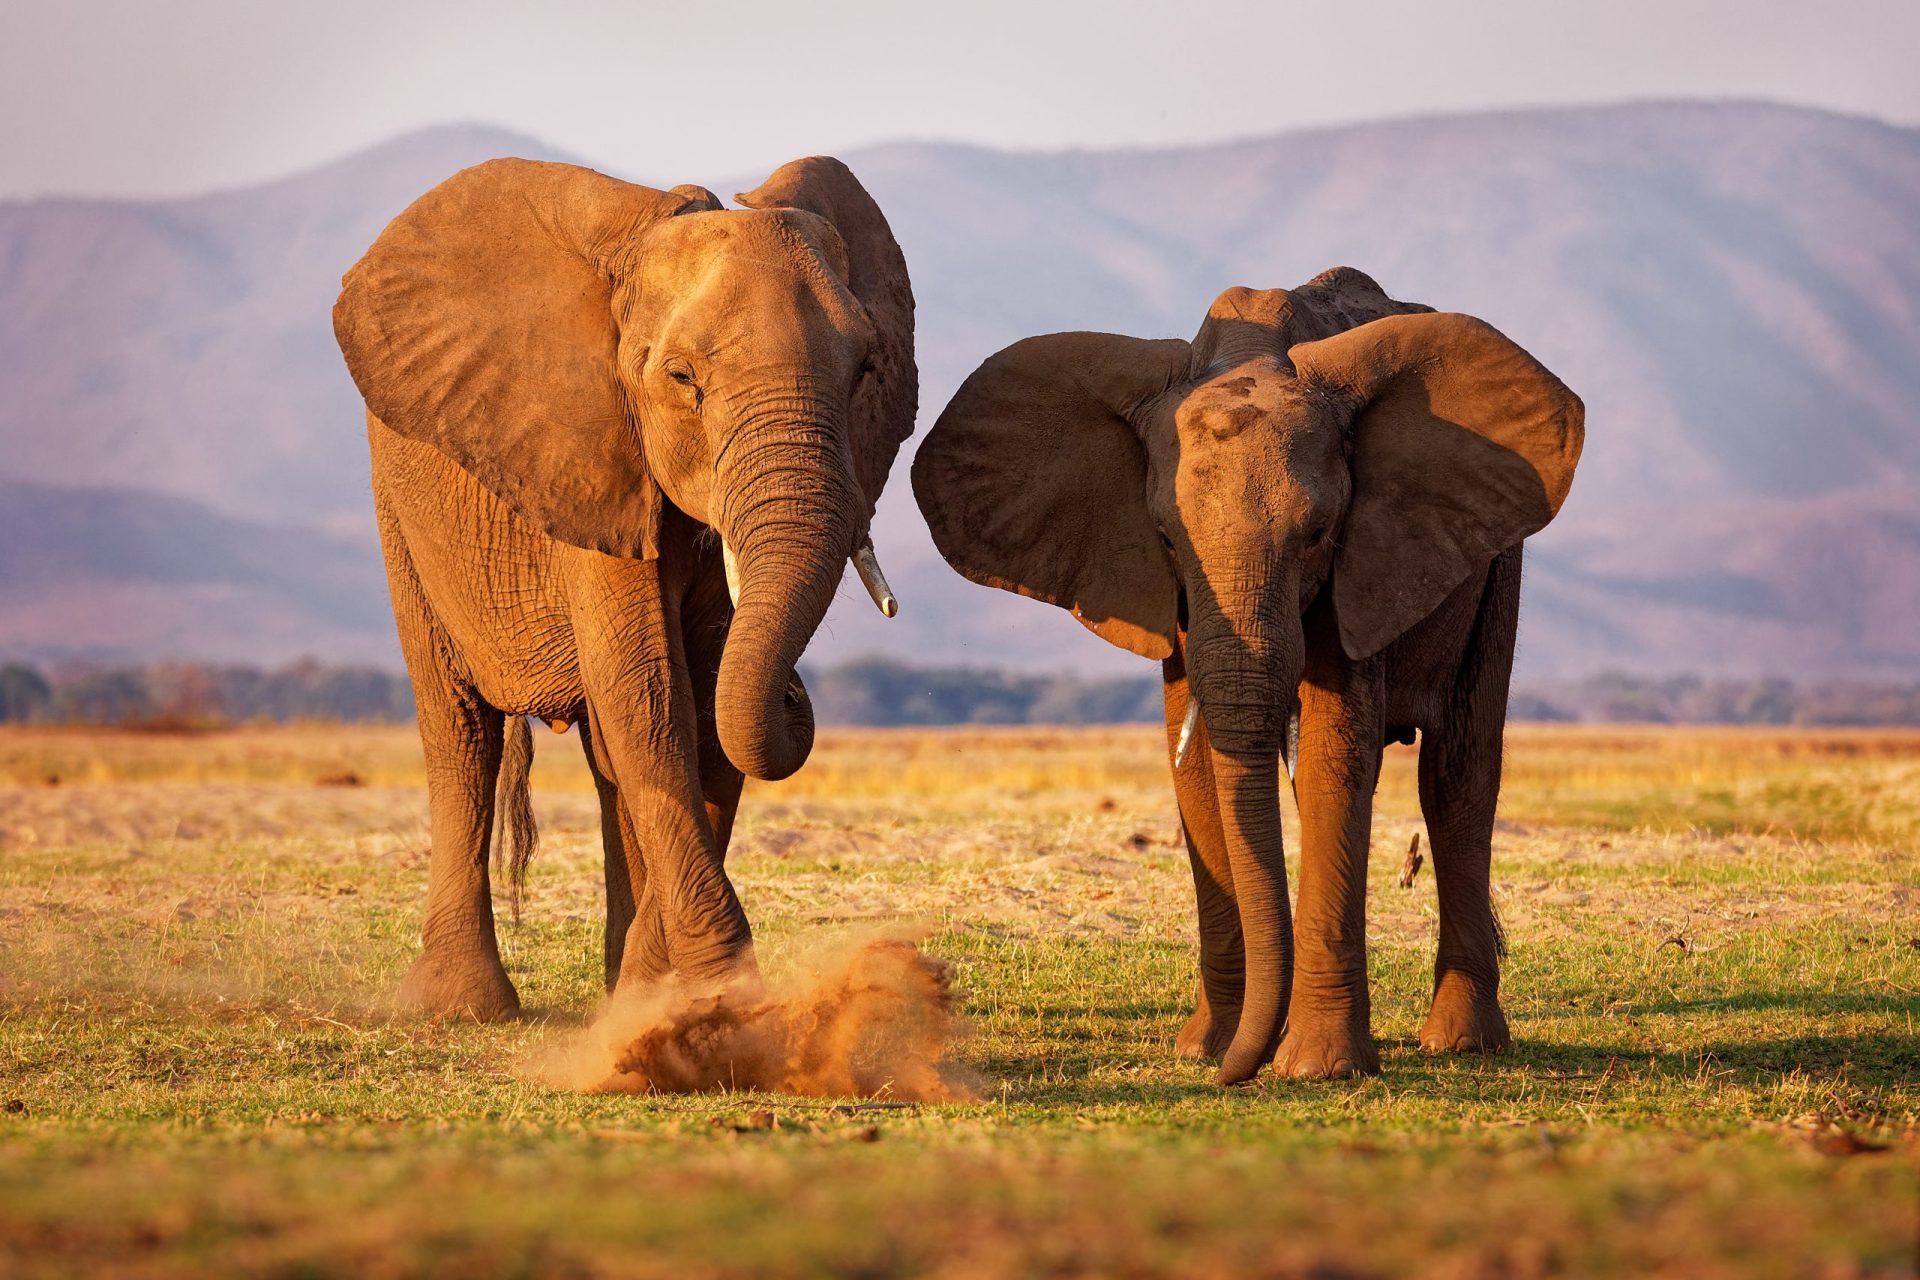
column 633, row 665
column 1223, row 960
column 1459, row 791
column 1342, row 707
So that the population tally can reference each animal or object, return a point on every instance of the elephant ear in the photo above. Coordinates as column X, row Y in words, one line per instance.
column 481, row 322
column 1034, row 480
column 888, row 395
column 1462, row 445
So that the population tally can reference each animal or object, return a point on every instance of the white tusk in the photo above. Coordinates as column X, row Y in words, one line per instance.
column 1186, row 732
column 875, row 582
column 733, row 572
column 1292, row 753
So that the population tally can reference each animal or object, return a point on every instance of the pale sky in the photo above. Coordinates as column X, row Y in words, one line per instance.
column 144, row 97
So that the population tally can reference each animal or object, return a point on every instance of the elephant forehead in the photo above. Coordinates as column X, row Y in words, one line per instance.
column 746, row 270
column 776, row 231
column 1255, row 395
column 777, row 244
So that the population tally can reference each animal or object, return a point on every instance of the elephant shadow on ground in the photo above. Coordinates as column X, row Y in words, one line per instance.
column 1080, row 1064
column 1765, row 1056
column 1739, row 1062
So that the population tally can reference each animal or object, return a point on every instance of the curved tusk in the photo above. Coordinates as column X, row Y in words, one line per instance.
column 732, row 563
column 875, row 582
column 1186, row 732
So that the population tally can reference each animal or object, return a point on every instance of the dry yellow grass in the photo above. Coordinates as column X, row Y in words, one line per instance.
column 1715, row 979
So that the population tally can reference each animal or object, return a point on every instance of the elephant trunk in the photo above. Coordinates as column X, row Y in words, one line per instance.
column 790, row 529
column 1246, row 653
column 1248, row 790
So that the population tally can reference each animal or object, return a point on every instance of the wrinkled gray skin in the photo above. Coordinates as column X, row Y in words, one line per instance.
column 573, row 385
column 1317, row 505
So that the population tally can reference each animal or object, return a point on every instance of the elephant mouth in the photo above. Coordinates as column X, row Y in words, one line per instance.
column 1289, row 741
column 866, row 563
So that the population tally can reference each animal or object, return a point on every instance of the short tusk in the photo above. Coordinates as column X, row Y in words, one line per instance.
column 1186, row 732
column 875, row 582
column 1292, row 753
column 732, row 563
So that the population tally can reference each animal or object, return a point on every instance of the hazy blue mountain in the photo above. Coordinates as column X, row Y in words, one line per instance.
column 107, row 573
column 1734, row 290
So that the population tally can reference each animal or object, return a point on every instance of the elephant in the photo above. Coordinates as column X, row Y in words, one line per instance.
column 624, row 443
column 1312, row 515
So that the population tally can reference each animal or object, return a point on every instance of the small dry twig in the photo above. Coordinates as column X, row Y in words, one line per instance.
column 1411, row 867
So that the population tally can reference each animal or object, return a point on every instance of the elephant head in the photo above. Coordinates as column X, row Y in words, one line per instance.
column 588, row 349
column 1325, row 442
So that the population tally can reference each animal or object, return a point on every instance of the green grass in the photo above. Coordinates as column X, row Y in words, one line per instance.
column 196, row 946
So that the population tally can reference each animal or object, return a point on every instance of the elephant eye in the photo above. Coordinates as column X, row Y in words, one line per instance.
column 681, row 372
column 1318, row 535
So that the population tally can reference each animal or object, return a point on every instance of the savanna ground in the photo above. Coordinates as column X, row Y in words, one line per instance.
column 1713, row 985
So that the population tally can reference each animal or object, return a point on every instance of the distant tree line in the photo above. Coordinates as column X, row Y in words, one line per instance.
column 882, row 692
column 189, row 695
column 878, row 691
column 1614, row 697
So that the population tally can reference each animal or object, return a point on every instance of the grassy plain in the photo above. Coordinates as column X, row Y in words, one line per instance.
column 1714, row 983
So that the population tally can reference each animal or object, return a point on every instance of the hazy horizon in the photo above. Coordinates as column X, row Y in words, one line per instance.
column 153, row 104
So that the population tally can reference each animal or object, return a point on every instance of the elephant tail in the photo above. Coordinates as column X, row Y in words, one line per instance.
column 516, row 835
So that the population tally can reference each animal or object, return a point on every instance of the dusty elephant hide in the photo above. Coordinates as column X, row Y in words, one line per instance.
column 875, row 1019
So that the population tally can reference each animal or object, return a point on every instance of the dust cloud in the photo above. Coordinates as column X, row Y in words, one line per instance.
column 872, row 1017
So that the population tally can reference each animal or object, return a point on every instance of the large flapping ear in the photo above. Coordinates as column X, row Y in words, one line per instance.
column 1463, row 444
column 481, row 322
column 888, row 396
column 1034, row 480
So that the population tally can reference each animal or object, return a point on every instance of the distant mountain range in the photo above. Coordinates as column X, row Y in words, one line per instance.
column 1734, row 289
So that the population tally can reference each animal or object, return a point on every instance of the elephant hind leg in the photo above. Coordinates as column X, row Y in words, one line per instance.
column 1459, row 791
column 635, row 938
column 459, row 969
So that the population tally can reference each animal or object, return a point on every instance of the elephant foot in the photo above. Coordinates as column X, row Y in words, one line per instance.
column 642, row 964
column 1206, row 1035
column 1326, row 1048
column 1463, row 1020
column 472, row 986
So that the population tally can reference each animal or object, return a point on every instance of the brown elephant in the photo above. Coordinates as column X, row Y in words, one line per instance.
column 573, row 384
column 1315, row 510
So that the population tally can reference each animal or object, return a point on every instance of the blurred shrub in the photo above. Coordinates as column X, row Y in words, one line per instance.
column 186, row 695
column 881, row 692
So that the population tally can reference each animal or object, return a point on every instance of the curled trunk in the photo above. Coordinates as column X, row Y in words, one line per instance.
column 791, row 526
